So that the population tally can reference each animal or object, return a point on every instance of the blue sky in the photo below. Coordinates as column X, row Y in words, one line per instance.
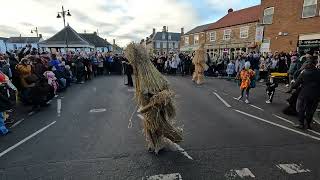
column 123, row 20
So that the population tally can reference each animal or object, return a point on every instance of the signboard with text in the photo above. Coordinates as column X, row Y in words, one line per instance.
column 259, row 34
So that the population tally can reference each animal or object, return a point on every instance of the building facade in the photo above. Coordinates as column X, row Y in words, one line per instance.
column 163, row 42
column 100, row 44
column 291, row 25
column 3, row 45
column 14, row 43
column 191, row 40
column 234, row 33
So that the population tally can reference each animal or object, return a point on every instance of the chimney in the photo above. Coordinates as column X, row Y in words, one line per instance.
column 164, row 29
column 182, row 31
column 40, row 35
column 230, row 10
column 114, row 41
column 154, row 31
column 95, row 33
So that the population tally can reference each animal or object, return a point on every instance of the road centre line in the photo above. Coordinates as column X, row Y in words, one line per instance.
column 278, row 125
column 292, row 168
column 26, row 139
column 174, row 176
column 17, row 123
column 222, row 100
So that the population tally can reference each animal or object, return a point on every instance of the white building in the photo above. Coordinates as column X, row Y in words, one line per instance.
column 3, row 45
column 19, row 42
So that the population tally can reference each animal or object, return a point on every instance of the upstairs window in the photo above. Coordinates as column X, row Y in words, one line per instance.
column 227, row 34
column 196, row 39
column 212, row 36
column 158, row 45
column 186, row 40
column 309, row 8
column 164, row 44
column 268, row 15
column 244, row 32
column 163, row 36
column 169, row 37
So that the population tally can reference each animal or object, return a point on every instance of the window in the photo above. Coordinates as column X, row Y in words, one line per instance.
column 170, row 45
column 164, row 45
column 158, row 45
column 196, row 39
column 169, row 37
column 309, row 8
column 268, row 15
column 227, row 34
column 244, row 32
column 212, row 36
column 14, row 46
column 163, row 36
column 186, row 40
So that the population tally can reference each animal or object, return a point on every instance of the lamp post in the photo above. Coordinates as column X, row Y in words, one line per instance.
column 64, row 13
column 37, row 33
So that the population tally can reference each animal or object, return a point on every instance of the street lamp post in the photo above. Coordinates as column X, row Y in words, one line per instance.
column 64, row 13
column 37, row 33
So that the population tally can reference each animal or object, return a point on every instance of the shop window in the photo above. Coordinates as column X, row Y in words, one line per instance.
column 268, row 15
column 227, row 34
column 244, row 32
column 212, row 36
column 196, row 39
column 309, row 8
column 164, row 45
column 186, row 40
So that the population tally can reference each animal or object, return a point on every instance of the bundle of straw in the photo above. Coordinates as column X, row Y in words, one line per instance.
column 199, row 65
column 154, row 98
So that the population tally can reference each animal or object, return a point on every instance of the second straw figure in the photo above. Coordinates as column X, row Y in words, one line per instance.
column 155, row 100
column 199, row 65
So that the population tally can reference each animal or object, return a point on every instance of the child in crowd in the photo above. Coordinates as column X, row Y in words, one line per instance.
column 271, row 89
column 230, row 70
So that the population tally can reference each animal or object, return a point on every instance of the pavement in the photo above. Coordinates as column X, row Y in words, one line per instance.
column 84, row 135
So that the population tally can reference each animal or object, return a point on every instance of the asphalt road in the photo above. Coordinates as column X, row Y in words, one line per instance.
column 227, row 139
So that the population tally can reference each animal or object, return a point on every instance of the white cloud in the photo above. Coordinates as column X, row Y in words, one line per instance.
column 124, row 20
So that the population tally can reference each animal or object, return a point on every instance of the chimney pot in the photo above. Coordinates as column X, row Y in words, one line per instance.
column 154, row 31
column 182, row 31
column 95, row 33
column 40, row 35
column 230, row 10
column 114, row 41
column 164, row 29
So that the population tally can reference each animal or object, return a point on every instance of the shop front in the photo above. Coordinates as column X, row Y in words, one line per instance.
column 309, row 42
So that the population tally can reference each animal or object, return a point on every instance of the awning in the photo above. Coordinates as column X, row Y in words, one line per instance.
column 309, row 36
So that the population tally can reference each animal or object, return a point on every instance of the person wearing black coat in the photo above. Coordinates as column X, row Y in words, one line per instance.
column 308, row 99
column 128, row 71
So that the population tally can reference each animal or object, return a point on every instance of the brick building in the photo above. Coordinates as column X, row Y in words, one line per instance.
column 233, row 33
column 191, row 40
column 290, row 25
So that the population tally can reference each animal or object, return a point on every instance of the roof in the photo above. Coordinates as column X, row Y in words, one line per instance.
column 243, row 16
column 199, row 29
column 66, row 34
column 94, row 39
column 174, row 36
column 23, row 39
column 3, row 39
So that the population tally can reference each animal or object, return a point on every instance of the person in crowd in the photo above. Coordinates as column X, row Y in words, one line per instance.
column 271, row 89
column 5, row 103
column 68, row 75
column 54, row 62
column 60, row 77
column 5, row 66
column 274, row 63
column 94, row 62
column 255, row 61
column 39, row 68
column 128, row 71
column 100, row 64
column 282, row 63
column 230, row 70
column 308, row 98
column 24, row 69
column 263, row 68
column 292, row 69
column 246, row 76
column 173, row 65
column 80, row 70
column 239, row 65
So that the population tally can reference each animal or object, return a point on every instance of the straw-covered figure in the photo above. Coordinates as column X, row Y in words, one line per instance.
column 155, row 100
column 199, row 65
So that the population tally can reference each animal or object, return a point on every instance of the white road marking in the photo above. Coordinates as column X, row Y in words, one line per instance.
column 226, row 94
column 292, row 168
column 256, row 107
column 214, row 90
column 242, row 173
column 284, row 119
column 222, row 100
column 98, row 110
column 17, row 123
column 279, row 125
column 31, row 113
column 315, row 132
column 131, row 90
column 59, row 107
column 175, row 147
column 56, row 96
column 316, row 121
column 174, row 176
column 245, row 172
column 26, row 139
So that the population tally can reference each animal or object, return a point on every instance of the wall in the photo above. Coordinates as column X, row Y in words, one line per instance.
column 235, row 41
column 2, row 46
column 288, row 18
column 10, row 46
